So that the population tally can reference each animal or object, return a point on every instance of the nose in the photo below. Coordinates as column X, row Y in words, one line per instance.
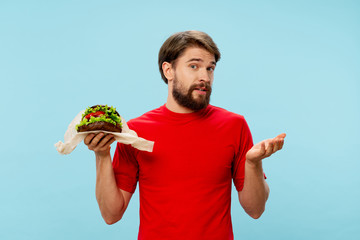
column 204, row 75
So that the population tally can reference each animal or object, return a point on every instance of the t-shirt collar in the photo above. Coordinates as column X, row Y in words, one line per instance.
column 191, row 115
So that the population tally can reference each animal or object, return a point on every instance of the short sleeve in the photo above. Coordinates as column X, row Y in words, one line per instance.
column 244, row 143
column 126, row 168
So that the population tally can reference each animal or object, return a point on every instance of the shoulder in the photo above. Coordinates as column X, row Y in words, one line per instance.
column 146, row 118
column 224, row 114
column 225, row 120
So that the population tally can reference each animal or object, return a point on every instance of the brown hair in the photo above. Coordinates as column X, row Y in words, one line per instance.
column 176, row 44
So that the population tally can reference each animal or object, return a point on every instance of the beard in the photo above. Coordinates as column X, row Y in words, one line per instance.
column 185, row 98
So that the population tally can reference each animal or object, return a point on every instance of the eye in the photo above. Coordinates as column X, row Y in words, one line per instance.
column 193, row 66
column 211, row 69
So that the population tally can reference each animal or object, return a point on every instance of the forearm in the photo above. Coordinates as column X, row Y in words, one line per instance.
column 255, row 191
column 110, row 199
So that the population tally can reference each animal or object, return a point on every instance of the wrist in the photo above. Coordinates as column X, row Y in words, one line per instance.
column 102, row 160
column 102, row 155
column 254, row 164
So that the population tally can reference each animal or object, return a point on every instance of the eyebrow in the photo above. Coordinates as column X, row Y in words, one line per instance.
column 200, row 60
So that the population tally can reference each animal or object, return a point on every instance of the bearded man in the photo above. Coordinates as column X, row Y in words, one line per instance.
column 185, row 183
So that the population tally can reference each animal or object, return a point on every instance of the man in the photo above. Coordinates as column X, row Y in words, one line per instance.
column 185, row 183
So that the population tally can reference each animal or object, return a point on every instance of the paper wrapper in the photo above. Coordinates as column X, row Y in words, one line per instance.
column 72, row 138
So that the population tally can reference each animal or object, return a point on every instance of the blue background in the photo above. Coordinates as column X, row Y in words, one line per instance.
column 287, row 66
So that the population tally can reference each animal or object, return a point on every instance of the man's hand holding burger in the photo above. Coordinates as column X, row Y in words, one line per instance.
column 112, row 201
column 99, row 143
column 103, row 118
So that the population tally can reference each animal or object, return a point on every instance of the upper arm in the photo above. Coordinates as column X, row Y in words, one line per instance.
column 126, row 169
column 243, row 142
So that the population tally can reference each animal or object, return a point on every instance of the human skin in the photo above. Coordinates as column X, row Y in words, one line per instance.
column 194, row 66
column 112, row 200
column 255, row 192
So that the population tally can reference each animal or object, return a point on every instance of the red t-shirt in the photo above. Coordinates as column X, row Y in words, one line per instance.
column 185, row 183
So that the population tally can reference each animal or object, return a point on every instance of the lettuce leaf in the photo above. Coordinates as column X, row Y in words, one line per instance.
column 110, row 116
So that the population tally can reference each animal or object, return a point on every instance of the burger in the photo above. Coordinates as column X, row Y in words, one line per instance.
column 100, row 117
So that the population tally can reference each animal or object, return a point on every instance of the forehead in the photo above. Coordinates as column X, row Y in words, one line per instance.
column 197, row 53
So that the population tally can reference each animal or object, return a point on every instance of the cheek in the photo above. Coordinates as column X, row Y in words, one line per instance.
column 211, row 81
column 188, row 73
column 186, row 78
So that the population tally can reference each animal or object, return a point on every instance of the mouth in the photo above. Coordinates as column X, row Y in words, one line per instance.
column 201, row 89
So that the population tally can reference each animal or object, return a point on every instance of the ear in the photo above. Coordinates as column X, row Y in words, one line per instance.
column 168, row 71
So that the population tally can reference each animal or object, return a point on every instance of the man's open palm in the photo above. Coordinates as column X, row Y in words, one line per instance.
column 265, row 148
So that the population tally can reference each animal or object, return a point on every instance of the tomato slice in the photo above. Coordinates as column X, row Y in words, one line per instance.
column 95, row 114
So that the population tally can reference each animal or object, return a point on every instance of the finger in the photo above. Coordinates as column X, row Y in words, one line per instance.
column 88, row 138
column 108, row 144
column 281, row 143
column 269, row 149
column 263, row 149
column 283, row 135
column 106, row 140
column 95, row 141
column 277, row 144
column 105, row 147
